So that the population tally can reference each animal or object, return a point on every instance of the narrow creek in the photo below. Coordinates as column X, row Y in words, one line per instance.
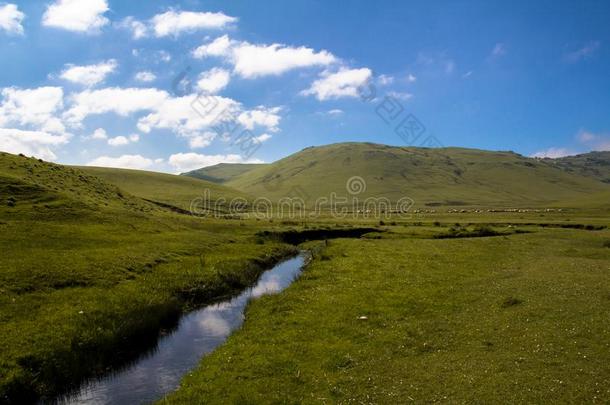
column 197, row 334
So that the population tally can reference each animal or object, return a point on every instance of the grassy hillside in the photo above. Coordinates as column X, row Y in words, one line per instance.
column 35, row 188
column 433, row 177
column 223, row 172
column 170, row 189
column 593, row 164
column 89, row 273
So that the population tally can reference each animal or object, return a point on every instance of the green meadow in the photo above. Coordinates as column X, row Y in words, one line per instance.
column 484, row 292
column 518, row 319
column 90, row 274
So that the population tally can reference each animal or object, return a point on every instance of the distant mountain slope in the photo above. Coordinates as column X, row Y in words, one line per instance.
column 223, row 172
column 433, row 177
column 592, row 164
column 178, row 191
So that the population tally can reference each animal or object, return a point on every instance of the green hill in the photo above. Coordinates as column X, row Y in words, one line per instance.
column 90, row 273
column 592, row 164
column 223, row 172
column 35, row 188
column 177, row 191
column 431, row 177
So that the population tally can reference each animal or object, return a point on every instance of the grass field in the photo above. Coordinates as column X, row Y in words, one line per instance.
column 443, row 177
column 89, row 273
column 93, row 269
column 223, row 172
column 177, row 191
column 523, row 318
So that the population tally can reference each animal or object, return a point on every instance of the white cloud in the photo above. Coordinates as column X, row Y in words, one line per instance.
column 585, row 52
column 122, row 101
column 255, row 60
column 221, row 46
column 184, row 162
column 335, row 112
column 201, row 141
column 31, row 143
column 138, row 29
column 89, row 75
column 411, row 78
column 262, row 138
column 553, row 153
column 11, row 19
column 268, row 118
column 189, row 116
column 123, row 140
column 145, row 76
column 344, row 83
column 99, row 133
column 124, row 161
column 260, row 60
column 76, row 15
column 32, row 108
column 213, row 80
column 174, row 23
column 118, row 141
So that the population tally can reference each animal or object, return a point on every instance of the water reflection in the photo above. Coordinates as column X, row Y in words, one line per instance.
column 197, row 334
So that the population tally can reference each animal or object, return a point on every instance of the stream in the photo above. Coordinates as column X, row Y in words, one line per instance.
column 197, row 334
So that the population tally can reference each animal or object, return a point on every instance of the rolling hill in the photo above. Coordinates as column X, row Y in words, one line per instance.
column 223, row 172
column 35, row 188
column 168, row 189
column 88, row 269
column 431, row 177
column 592, row 164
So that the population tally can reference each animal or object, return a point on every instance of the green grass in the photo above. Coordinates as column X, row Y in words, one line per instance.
column 516, row 319
column 477, row 231
column 222, row 172
column 37, row 188
column 433, row 178
column 89, row 272
column 178, row 191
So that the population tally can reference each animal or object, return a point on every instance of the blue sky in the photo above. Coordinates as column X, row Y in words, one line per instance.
column 172, row 86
